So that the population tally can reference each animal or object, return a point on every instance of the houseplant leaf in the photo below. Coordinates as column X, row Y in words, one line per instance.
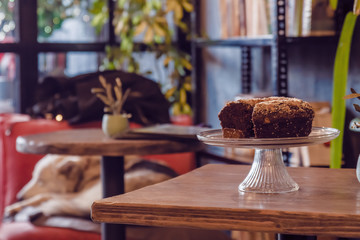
column 333, row 4
column 340, row 74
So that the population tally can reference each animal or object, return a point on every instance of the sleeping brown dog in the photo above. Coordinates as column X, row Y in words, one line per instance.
column 68, row 185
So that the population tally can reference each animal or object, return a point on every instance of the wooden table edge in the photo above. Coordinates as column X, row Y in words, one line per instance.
column 246, row 220
column 34, row 144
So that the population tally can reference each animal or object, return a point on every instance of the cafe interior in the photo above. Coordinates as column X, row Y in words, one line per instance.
column 88, row 85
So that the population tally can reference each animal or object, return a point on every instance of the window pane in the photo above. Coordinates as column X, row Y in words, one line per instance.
column 68, row 64
column 7, row 23
column 7, row 81
column 154, row 68
column 132, row 11
column 66, row 21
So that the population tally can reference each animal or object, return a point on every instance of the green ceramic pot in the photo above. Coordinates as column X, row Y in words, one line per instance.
column 115, row 126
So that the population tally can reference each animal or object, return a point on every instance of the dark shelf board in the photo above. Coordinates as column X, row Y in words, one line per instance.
column 52, row 47
column 313, row 40
column 9, row 47
column 63, row 47
column 265, row 41
column 236, row 42
column 71, row 47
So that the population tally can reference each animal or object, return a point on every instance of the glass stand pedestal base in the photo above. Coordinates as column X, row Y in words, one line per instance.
column 268, row 174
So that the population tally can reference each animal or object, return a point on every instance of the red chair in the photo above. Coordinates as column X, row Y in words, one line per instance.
column 16, row 171
column 6, row 119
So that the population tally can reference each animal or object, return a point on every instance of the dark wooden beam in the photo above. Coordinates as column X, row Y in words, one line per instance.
column 28, row 57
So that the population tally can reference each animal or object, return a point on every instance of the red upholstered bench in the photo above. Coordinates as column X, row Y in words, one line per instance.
column 16, row 170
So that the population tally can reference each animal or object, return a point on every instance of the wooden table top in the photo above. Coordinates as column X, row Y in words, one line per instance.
column 94, row 142
column 327, row 203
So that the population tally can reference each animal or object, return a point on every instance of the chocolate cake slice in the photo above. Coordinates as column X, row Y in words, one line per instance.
column 235, row 118
column 282, row 118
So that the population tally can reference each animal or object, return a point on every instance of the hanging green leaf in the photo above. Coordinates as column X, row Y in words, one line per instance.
column 121, row 3
column 176, row 109
column 99, row 20
column 178, row 12
column 188, row 6
column 97, row 7
column 182, row 97
column 159, row 30
column 186, row 109
column 149, row 35
column 186, row 63
column 140, row 28
column 187, row 86
column 341, row 67
column 333, row 4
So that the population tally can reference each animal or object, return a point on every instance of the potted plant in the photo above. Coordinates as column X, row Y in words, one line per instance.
column 141, row 23
column 115, row 121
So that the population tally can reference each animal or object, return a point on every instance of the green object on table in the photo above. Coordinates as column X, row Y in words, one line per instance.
column 115, row 126
column 341, row 67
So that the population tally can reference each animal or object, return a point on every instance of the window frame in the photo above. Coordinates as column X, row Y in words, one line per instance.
column 27, row 49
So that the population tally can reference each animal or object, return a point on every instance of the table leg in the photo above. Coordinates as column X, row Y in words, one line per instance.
column 112, row 177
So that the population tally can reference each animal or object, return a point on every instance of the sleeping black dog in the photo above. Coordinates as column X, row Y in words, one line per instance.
column 72, row 98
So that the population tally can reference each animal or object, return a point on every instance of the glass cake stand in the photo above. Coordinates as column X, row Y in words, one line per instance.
column 268, row 173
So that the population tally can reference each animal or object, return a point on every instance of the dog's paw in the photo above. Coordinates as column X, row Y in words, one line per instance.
column 12, row 210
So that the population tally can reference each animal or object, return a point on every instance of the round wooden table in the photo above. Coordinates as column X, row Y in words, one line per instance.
column 94, row 142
